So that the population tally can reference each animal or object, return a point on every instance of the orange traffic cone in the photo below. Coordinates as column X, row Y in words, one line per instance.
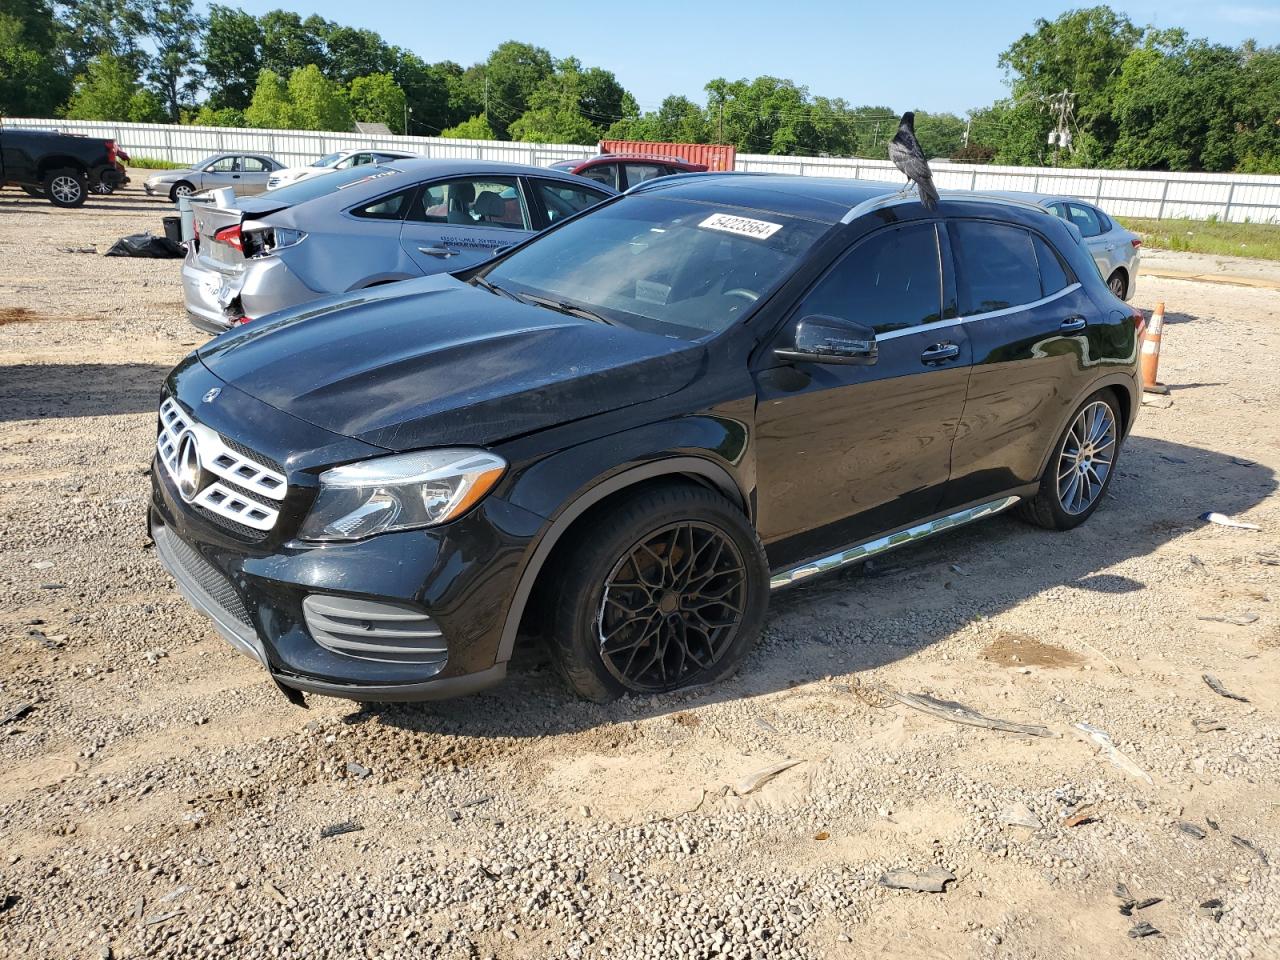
column 1151, row 351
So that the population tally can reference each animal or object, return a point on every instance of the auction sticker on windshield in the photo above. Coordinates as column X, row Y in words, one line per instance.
column 742, row 226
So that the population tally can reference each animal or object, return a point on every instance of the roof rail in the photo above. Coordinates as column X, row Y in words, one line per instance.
column 967, row 196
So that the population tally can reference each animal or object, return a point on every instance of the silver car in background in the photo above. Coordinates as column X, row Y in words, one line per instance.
column 330, row 162
column 366, row 226
column 246, row 173
column 1115, row 250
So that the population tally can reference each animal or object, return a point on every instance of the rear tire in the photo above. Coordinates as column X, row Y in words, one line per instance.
column 1080, row 469
column 181, row 189
column 667, row 589
column 1118, row 285
column 66, row 187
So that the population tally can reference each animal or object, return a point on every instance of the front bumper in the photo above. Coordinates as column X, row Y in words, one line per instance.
column 462, row 575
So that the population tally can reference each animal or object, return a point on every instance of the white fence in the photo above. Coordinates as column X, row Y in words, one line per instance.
column 1134, row 193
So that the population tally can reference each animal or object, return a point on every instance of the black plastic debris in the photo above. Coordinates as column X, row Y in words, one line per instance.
column 1216, row 686
column 1142, row 929
column 1244, row 844
column 1211, row 909
column 338, row 829
column 1191, row 830
column 148, row 247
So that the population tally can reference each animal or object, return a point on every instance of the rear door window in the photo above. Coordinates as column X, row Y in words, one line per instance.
column 606, row 173
column 996, row 266
column 640, row 172
column 1086, row 218
column 488, row 202
column 255, row 165
column 890, row 281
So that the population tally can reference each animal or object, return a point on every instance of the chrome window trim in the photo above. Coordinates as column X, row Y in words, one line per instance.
column 1004, row 311
column 869, row 548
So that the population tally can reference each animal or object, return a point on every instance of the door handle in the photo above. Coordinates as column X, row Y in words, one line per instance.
column 442, row 252
column 1072, row 324
column 940, row 352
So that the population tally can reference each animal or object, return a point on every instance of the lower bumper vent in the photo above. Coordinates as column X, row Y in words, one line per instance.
column 374, row 631
column 200, row 573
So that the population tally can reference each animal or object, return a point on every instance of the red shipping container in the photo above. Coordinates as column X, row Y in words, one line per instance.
column 715, row 156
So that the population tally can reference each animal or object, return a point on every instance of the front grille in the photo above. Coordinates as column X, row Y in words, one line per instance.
column 232, row 484
column 204, row 575
column 374, row 631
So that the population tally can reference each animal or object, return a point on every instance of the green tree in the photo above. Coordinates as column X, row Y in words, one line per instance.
column 477, row 128
column 90, row 28
column 210, row 116
column 31, row 79
column 677, row 120
column 1256, row 96
column 318, row 103
column 506, row 81
column 426, row 91
column 109, row 90
column 173, row 70
column 940, row 134
column 377, row 98
column 270, row 107
column 232, row 51
column 1081, row 52
column 288, row 43
column 351, row 53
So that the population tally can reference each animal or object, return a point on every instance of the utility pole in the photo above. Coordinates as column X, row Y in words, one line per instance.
column 967, row 124
column 1062, row 106
column 486, row 99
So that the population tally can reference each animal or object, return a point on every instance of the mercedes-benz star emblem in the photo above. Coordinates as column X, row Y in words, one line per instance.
column 212, row 395
column 188, row 467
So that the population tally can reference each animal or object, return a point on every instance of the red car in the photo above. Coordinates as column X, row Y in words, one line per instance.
column 623, row 170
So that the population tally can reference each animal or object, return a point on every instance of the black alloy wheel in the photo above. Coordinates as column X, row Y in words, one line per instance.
column 671, row 606
column 663, row 588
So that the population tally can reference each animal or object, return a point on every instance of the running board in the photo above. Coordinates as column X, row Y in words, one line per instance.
column 862, row 551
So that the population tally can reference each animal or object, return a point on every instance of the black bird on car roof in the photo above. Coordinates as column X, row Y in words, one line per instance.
column 905, row 152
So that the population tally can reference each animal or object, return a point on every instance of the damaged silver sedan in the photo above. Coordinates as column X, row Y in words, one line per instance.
column 364, row 227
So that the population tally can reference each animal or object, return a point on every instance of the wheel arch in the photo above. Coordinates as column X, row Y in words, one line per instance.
column 59, row 162
column 1123, row 270
column 693, row 469
column 1127, row 395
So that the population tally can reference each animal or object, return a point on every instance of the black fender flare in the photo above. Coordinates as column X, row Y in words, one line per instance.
column 665, row 466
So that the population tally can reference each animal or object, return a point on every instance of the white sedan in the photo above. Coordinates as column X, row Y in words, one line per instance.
column 342, row 160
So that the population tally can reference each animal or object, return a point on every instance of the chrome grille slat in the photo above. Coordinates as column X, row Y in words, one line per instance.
column 246, row 490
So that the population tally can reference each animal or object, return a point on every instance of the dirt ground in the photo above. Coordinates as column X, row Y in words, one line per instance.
column 158, row 797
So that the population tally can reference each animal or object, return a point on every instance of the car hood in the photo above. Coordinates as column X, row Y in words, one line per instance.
column 435, row 361
column 166, row 176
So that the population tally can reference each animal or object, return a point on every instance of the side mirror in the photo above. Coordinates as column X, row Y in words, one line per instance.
column 824, row 339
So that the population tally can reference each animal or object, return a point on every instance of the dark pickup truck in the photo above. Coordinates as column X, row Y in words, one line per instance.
column 59, row 166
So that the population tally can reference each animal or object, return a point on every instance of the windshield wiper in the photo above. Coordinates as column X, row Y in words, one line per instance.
column 562, row 306
column 494, row 288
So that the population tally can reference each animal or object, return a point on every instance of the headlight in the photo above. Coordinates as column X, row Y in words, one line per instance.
column 401, row 492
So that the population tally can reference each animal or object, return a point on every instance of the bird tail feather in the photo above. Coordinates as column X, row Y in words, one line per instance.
column 928, row 194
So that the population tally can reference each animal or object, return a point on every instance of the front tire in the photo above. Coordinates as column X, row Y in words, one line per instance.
column 667, row 589
column 1079, row 472
column 181, row 189
column 66, row 187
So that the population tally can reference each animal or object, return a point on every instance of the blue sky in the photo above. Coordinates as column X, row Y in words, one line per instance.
column 939, row 56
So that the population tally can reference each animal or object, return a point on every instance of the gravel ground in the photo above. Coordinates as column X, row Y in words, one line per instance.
column 160, row 798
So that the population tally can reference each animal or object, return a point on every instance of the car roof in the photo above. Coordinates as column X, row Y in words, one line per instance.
column 824, row 199
column 1041, row 198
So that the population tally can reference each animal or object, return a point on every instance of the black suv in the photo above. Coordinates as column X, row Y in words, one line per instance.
column 623, row 433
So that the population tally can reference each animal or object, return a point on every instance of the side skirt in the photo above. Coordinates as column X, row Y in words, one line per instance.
column 861, row 551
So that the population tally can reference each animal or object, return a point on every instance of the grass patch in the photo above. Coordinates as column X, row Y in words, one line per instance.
column 154, row 163
column 1261, row 240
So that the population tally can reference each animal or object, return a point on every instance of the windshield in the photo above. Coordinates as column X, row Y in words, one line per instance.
column 303, row 190
column 328, row 160
column 679, row 267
